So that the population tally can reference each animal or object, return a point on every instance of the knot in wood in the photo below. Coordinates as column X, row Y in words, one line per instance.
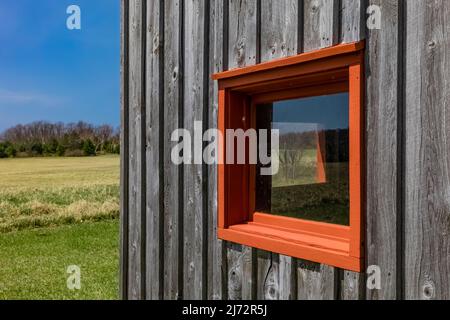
column 431, row 44
column 315, row 6
column 428, row 290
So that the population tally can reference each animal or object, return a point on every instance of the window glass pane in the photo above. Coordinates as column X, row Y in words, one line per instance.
column 312, row 182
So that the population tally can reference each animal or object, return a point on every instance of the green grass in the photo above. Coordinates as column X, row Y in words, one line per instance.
column 33, row 263
column 327, row 202
column 57, row 212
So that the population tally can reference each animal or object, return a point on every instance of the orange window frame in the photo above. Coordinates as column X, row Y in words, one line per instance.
column 326, row 71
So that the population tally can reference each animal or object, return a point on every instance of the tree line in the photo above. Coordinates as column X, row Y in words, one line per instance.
column 336, row 143
column 58, row 139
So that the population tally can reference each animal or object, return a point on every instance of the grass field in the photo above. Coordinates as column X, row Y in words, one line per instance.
column 38, row 192
column 56, row 212
column 33, row 263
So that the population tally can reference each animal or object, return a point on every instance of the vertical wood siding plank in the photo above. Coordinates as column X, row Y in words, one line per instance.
column 124, row 161
column 383, row 209
column 279, row 27
column 352, row 20
column 268, row 277
column 316, row 281
column 276, row 276
column 353, row 286
column 427, row 187
column 321, row 28
column 193, row 111
column 241, row 260
column 287, row 267
column 153, row 156
column 352, row 30
column 216, row 248
column 135, row 151
column 235, row 271
column 242, row 33
column 172, row 187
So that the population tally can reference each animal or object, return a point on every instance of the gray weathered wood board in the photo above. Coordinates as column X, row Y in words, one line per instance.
column 427, row 134
column 173, row 179
column 194, row 267
column 136, row 226
column 217, row 284
column 154, row 158
column 124, row 150
column 383, row 94
column 321, row 24
column 352, row 20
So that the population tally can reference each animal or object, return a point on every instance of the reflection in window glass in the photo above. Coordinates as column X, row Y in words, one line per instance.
column 313, row 180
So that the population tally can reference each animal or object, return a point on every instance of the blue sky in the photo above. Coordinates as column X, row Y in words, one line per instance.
column 329, row 112
column 48, row 72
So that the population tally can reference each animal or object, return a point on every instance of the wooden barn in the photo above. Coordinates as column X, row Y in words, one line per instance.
column 360, row 94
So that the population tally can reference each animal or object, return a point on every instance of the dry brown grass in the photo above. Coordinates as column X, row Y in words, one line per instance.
column 38, row 192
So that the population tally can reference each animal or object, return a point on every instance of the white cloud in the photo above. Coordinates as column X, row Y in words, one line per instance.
column 9, row 98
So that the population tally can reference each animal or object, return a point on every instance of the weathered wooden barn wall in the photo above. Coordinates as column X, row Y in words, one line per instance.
column 169, row 248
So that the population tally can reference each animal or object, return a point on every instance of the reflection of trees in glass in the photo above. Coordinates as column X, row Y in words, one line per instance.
column 295, row 191
column 294, row 159
column 288, row 161
column 297, row 156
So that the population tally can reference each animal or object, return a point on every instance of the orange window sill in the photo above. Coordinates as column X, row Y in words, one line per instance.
column 316, row 247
